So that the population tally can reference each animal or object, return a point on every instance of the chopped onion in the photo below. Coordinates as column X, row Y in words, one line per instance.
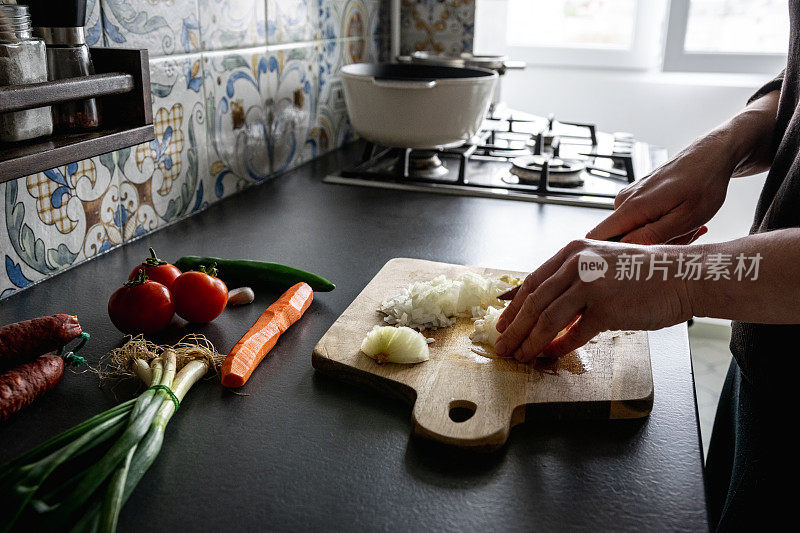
column 486, row 327
column 436, row 303
column 387, row 344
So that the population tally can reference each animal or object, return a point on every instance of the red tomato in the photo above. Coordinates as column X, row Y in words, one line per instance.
column 141, row 306
column 157, row 270
column 199, row 297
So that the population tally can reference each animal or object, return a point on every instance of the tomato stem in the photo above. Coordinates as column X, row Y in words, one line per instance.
column 153, row 260
column 210, row 270
column 140, row 278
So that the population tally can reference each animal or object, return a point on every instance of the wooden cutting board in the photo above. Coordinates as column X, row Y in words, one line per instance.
column 608, row 378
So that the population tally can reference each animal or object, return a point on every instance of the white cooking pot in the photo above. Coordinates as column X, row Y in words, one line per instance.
column 417, row 106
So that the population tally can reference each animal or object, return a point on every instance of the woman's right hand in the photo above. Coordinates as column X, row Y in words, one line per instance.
column 672, row 204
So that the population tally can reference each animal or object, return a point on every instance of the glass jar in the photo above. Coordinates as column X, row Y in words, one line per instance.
column 22, row 61
column 68, row 57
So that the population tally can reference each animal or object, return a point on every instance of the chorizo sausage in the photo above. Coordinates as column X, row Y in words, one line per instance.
column 27, row 340
column 22, row 385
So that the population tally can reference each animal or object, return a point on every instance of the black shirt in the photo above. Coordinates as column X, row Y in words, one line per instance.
column 751, row 459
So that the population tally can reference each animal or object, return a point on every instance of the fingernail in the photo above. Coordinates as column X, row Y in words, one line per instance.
column 500, row 348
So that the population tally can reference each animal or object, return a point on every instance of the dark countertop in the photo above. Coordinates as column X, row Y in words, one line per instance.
column 305, row 452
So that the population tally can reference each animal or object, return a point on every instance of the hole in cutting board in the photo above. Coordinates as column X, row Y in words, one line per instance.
column 462, row 410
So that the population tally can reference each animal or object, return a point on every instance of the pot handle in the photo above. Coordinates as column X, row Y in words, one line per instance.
column 515, row 65
column 404, row 84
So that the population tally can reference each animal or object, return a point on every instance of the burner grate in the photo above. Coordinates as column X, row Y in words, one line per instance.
column 575, row 164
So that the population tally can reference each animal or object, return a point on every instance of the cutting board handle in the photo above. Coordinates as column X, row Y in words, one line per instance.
column 462, row 420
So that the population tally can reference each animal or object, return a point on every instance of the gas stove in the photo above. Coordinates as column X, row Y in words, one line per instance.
column 516, row 156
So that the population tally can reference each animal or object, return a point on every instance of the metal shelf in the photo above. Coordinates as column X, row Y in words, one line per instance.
column 122, row 87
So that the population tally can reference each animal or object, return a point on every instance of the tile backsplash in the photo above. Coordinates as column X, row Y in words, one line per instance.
column 242, row 90
column 442, row 26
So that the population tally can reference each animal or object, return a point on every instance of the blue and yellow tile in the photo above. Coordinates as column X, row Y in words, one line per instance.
column 229, row 24
column 437, row 26
column 260, row 104
column 56, row 219
column 292, row 99
column 162, row 181
column 292, row 21
column 236, row 94
column 164, row 27
column 94, row 24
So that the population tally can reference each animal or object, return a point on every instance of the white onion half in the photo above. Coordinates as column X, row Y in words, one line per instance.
column 388, row 344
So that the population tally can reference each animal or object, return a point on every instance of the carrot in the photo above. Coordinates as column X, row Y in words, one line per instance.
column 259, row 339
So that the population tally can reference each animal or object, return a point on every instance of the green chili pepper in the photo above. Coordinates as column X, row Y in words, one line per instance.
column 244, row 273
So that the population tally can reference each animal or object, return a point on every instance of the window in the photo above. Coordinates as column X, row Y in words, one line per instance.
column 590, row 33
column 727, row 35
column 572, row 23
column 685, row 35
column 739, row 27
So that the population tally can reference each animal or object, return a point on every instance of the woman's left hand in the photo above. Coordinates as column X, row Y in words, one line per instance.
column 555, row 296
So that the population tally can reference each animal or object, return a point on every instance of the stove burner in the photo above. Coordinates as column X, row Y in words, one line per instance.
column 560, row 172
column 533, row 163
column 423, row 164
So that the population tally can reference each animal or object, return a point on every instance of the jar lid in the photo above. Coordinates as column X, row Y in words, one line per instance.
column 15, row 22
column 58, row 14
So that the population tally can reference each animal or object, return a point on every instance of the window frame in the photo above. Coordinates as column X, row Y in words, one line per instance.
column 677, row 59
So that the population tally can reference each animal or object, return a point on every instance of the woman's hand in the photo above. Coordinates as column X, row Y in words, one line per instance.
column 672, row 204
column 555, row 296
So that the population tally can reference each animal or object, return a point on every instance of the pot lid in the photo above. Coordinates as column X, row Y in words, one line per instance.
column 412, row 71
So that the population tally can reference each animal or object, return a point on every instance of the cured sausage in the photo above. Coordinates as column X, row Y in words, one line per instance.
column 24, row 341
column 22, row 385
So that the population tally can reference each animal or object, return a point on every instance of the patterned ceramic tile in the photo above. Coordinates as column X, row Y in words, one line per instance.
column 290, row 21
column 232, row 23
column 291, row 105
column 164, row 27
column 328, row 62
column 342, row 19
column 331, row 127
column 260, row 105
column 56, row 219
column 236, row 88
column 94, row 24
column 359, row 51
column 445, row 26
column 162, row 181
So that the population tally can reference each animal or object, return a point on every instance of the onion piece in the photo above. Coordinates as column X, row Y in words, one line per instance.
column 436, row 303
column 486, row 327
column 388, row 344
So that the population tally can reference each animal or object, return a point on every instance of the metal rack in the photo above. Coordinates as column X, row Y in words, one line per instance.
column 122, row 87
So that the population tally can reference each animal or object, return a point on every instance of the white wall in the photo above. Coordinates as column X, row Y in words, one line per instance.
column 667, row 109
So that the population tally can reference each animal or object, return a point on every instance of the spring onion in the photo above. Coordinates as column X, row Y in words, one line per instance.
column 47, row 488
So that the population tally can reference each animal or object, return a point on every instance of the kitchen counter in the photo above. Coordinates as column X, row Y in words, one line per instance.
column 302, row 451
